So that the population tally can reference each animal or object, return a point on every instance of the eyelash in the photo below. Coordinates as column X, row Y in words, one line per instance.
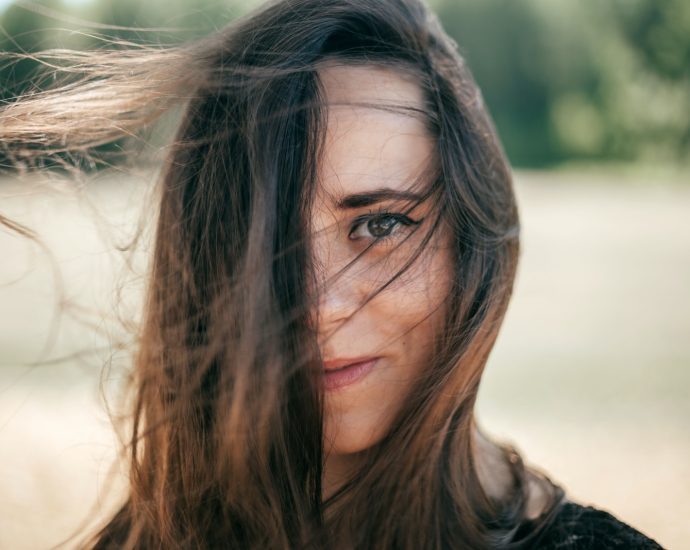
column 399, row 219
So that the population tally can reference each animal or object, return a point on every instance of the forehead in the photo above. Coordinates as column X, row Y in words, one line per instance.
column 366, row 146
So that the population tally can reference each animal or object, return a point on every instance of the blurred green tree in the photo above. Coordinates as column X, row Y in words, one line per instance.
column 587, row 80
column 653, row 101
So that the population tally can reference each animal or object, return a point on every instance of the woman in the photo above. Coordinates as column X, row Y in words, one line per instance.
column 335, row 250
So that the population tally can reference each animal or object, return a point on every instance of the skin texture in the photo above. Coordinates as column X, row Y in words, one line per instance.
column 368, row 149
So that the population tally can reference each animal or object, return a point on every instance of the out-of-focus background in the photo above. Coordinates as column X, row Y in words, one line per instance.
column 590, row 377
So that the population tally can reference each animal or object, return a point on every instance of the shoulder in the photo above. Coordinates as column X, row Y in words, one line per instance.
column 578, row 527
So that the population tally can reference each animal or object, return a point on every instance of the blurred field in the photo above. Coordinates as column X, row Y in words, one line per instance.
column 590, row 377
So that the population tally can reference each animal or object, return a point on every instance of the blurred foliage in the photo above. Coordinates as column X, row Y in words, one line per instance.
column 590, row 80
column 587, row 80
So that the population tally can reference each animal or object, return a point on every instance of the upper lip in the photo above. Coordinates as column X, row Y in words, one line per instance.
column 333, row 364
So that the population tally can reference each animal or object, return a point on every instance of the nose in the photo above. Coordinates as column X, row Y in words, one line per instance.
column 337, row 303
column 337, row 297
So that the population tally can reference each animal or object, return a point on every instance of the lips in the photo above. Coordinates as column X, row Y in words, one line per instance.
column 339, row 373
column 335, row 364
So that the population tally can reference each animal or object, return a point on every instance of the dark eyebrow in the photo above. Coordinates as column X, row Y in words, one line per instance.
column 360, row 200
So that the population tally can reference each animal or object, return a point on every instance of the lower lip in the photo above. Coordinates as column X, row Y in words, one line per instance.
column 338, row 378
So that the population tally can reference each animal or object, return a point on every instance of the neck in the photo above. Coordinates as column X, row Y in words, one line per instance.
column 338, row 469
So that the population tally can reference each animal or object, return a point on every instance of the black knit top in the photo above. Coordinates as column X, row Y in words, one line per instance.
column 578, row 527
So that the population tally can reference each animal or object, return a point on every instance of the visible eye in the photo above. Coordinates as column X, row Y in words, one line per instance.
column 378, row 226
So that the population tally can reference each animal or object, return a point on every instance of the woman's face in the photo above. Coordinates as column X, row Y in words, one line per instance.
column 372, row 159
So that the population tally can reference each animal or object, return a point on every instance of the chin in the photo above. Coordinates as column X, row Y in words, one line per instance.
column 350, row 446
column 350, row 440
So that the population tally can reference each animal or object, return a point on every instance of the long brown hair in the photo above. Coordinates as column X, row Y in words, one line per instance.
column 226, row 447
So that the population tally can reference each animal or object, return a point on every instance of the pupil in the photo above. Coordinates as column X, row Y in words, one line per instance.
column 380, row 227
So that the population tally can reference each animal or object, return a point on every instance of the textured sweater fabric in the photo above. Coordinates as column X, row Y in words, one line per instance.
column 578, row 527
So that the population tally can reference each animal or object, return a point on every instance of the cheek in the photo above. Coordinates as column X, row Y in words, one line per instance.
column 421, row 291
column 412, row 306
column 418, row 292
